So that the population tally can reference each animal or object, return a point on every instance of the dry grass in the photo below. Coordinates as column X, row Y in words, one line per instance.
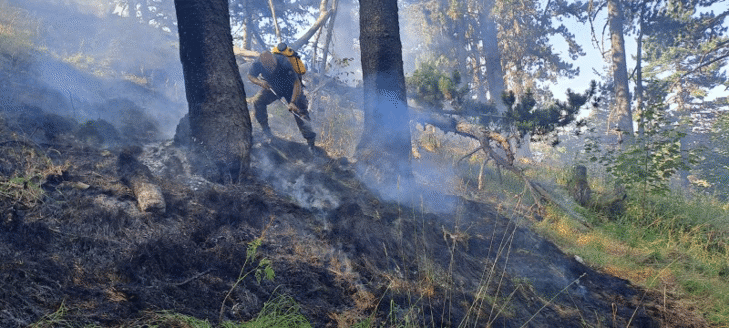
column 26, row 170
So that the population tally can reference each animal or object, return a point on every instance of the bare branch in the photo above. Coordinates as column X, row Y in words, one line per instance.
column 275, row 21
column 305, row 38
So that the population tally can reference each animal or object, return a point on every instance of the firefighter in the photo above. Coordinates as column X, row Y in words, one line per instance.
column 278, row 73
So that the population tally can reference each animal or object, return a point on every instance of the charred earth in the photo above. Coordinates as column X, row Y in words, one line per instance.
column 73, row 238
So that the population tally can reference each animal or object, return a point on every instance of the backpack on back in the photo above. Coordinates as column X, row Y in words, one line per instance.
column 293, row 57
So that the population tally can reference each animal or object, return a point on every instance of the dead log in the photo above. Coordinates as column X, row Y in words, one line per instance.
column 323, row 17
column 485, row 136
column 447, row 123
column 139, row 178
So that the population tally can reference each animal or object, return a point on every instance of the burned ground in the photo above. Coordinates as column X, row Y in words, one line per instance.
column 73, row 237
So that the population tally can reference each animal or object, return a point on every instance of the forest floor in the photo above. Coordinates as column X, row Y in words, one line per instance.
column 76, row 250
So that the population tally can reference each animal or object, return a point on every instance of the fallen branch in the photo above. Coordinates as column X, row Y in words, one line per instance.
column 484, row 137
column 447, row 123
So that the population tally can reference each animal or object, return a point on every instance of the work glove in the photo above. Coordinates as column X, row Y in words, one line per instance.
column 260, row 81
column 264, row 84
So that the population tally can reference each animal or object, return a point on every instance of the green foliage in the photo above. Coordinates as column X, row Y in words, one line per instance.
column 431, row 87
column 672, row 242
column 260, row 271
column 171, row 319
column 24, row 189
column 264, row 268
column 541, row 122
column 280, row 312
column 685, row 48
column 649, row 161
column 55, row 319
column 366, row 323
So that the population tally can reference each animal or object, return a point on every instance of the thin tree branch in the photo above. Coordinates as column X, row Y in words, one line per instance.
column 684, row 75
column 330, row 31
column 305, row 38
column 275, row 21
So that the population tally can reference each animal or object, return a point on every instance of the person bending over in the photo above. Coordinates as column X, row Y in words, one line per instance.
column 278, row 73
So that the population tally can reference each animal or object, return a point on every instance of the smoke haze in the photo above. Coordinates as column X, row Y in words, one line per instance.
column 88, row 53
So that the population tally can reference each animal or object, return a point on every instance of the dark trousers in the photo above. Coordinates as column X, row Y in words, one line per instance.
column 265, row 97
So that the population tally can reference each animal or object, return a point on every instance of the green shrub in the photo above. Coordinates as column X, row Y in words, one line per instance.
column 647, row 162
column 429, row 86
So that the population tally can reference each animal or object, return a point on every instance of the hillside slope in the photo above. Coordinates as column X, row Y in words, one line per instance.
column 81, row 243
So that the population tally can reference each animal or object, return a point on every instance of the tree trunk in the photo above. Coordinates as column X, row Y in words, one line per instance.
column 579, row 189
column 639, row 81
column 384, row 149
column 247, row 30
column 494, row 71
column 621, row 112
column 315, row 47
column 220, row 126
column 330, row 32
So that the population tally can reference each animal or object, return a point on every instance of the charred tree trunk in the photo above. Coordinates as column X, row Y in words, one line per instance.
column 220, row 126
column 384, row 148
column 621, row 112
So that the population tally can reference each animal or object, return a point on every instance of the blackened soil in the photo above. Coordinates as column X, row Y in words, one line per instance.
column 343, row 254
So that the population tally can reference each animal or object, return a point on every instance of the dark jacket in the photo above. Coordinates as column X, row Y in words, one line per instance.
column 281, row 79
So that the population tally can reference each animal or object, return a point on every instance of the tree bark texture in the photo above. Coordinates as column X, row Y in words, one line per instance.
column 220, row 125
column 621, row 113
column 385, row 144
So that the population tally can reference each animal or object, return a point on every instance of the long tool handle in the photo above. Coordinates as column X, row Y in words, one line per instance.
column 260, row 76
